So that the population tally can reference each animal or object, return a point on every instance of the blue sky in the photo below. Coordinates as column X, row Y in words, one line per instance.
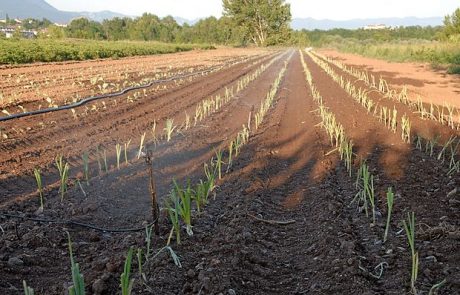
column 331, row 9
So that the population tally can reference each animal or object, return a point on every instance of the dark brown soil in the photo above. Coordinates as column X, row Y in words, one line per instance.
column 281, row 221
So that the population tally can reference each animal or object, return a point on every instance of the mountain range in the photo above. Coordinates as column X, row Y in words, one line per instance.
column 327, row 24
column 41, row 9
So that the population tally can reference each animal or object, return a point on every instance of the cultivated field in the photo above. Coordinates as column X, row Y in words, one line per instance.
column 275, row 172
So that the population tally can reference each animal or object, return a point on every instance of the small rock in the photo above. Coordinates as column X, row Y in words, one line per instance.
column 99, row 286
column 201, row 275
column 206, row 283
column 111, row 267
column 427, row 272
column 105, row 276
column 15, row 261
column 231, row 292
column 190, row 273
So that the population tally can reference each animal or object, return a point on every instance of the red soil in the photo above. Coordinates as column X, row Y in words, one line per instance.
column 281, row 221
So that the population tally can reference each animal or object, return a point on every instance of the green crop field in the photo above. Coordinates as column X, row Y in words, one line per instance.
column 45, row 50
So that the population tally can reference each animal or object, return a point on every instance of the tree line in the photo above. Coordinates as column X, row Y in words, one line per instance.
column 260, row 22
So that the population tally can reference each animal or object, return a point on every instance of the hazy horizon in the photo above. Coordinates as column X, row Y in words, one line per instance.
column 194, row 9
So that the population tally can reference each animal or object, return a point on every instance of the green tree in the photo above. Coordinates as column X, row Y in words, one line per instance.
column 84, row 29
column 54, row 32
column 146, row 27
column 266, row 22
column 117, row 28
column 452, row 26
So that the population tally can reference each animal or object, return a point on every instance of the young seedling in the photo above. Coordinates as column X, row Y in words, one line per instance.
column 219, row 163
column 127, row 284
column 78, row 287
column 405, row 127
column 126, row 151
column 169, row 129
column 104, row 157
column 361, row 183
column 436, row 287
column 185, row 197
column 63, row 169
column 230, row 153
column 27, row 290
column 141, row 146
column 187, row 121
column 390, row 200
column 371, row 195
column 118, row 153
column 210, row 177
column 409, row 227
column 174, row 256
column 172, row 206
column 38, row 178
column 200, row 196
column 139, row 263
column 154, row 133
column 85, row 159
column 148, row 241
column 98, row 156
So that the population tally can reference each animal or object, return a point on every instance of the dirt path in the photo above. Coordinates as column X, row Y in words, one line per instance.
column 432, row 86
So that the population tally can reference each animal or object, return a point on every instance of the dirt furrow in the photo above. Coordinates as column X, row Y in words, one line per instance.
column 110, row 126
column 121, row 199
column 420, row 182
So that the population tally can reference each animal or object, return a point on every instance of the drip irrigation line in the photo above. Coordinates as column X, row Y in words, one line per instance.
column 75, row 223
column 97, row 97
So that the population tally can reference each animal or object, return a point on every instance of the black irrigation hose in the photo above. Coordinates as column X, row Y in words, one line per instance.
column 92, row 98
column 76, row 223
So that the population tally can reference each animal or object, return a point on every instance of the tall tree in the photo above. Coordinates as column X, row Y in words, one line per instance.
column 266, row 21
column 452, row 25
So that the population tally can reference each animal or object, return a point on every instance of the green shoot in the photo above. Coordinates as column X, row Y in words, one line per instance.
column 371, row 196
column 390, row 200
column 38, row 178
column 172, row 206
column 85, row 158
column 185, row 197
column 63, row 169
column 219, row 163
column 148, row 241
column 141, row 145
column 435, row 287
column 210, row 177
column 118, row 153
column 98, row 155
column 409, row 227
column 174, row 256
column 201, row 194
column 405, row 127
column 27, row 290
column 78, row 287
column 126, row 151
column 169, row 129
column 139, row 263
column 104, row 157
column 127, row 284
column 230, row 154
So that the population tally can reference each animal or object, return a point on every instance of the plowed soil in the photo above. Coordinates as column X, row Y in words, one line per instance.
column 281, row 220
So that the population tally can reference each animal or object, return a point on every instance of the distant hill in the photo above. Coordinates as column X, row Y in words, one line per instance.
column 41, row 9
column 182, row 21
column 327, row 24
